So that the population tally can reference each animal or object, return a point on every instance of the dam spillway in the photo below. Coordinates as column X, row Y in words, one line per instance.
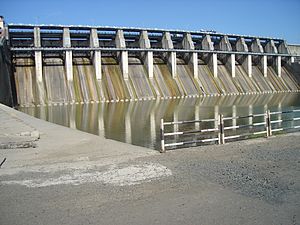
column 55, row 64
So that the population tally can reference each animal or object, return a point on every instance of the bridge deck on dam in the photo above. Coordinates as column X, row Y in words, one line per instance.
column 69, row 64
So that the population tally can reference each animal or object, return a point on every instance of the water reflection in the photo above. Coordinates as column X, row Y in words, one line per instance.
column 138, row 122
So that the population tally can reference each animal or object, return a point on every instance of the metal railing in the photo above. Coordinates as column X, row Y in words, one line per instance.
column 279, row 121
column 208, row 130
column 265, row 125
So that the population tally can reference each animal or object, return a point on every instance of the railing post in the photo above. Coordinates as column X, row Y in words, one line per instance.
column 268, row 123
column 221, row 130
column 162, row 136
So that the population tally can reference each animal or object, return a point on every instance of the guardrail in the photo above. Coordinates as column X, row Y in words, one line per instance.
column 265, row 125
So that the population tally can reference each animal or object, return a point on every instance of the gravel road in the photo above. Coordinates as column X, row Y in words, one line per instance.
column 248, row 182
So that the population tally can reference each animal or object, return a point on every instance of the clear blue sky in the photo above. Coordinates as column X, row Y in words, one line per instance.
column 275, row 18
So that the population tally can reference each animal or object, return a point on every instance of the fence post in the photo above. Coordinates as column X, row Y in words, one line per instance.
column 269, row 123
column 221, row 130
column 266, row 125
column 162, row 136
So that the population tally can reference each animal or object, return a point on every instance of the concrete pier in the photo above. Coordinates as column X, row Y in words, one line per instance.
column 275, row 60
column 68, row 54
column 244, row 60
column 260, row 60
column 96, row 55
column 38, row 55
column 210, row 58
column 123, row 55
column 228, row 60
column 167, row 43
column 283, row 48
column 147, row 57
column 39, row 67
column 2, row 27
column 69, row 63
column 190, row 58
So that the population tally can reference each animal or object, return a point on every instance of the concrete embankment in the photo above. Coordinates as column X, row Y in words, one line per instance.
column 48, row 143
column 5, row 74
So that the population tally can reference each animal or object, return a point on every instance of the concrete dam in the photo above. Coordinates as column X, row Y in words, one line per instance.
column 56, row 64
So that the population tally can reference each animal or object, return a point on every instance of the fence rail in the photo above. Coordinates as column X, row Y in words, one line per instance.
column 222, row 133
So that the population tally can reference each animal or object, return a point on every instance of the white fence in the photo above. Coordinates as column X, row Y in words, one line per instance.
column 271, row 122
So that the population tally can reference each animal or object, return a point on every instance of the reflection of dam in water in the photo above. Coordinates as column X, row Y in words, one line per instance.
column 68, row 64
column 138, row 122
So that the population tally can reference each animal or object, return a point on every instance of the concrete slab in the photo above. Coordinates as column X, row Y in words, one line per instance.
column 58, row 145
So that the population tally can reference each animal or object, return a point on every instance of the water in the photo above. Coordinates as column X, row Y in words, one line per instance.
column 138, row 123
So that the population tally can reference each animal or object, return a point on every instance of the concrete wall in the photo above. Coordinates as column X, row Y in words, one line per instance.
column 294, row 67
column 5, row 71
column 294, row 49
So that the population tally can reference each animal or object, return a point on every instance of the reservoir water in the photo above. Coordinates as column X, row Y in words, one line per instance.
column 138, row 122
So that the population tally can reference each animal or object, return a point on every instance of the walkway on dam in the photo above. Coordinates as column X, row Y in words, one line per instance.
column 71, row 177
